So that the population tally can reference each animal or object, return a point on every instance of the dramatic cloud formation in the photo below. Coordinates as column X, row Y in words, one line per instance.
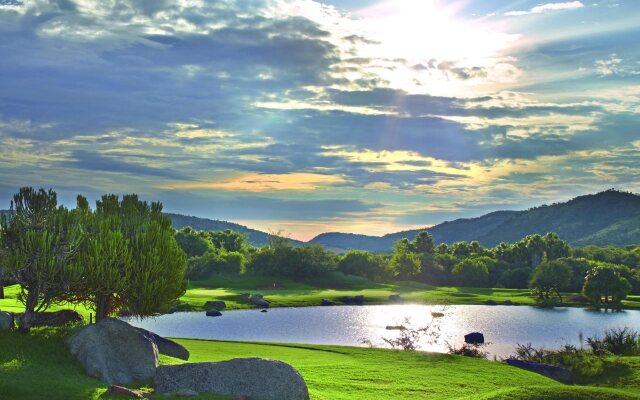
column 357, row 115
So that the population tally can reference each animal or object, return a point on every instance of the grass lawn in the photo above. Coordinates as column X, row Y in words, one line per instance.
column 38, row 366
column 288, row 293
column 295, row 294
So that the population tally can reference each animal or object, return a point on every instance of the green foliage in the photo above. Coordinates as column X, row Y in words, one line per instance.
column 617, row 341
column 215, row 262
column 282, row 259
column 40, row 244
column 605, row 286
column 192, row 242
column 228, row 240
column 549, row 278
column 471, row 272
column 362, row 263
column 404, row 263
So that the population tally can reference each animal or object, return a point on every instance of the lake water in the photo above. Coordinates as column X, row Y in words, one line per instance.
column 502, row 326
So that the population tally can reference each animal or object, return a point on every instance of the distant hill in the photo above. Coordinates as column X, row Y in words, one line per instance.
column 610, row 217
column 256, row 237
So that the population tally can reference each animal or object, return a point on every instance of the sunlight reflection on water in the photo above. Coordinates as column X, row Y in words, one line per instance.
column 502, row 326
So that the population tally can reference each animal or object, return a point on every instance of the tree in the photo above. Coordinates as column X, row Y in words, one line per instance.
column 228, row 240
column 555, row 247
column 132, row 259
column 40, row 243
column 361, row 263
column 471, row 272
column 192, row 242
column 404, row 263
column 423, row 243
column 549, row 278
column 604, row 285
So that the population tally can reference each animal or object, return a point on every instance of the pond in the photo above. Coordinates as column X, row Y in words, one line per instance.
column 502, row 326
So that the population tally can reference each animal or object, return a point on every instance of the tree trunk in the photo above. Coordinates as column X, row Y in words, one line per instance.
column 25, row 320
column 103, row 303
column 1, row 289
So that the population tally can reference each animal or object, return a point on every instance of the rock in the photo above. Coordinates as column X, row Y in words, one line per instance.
column 550, row 371
column 125, row 392
column 326, row 302
column 490, row 303
column 166, row 346
column 507, row 303
column 115, row 352
column 261, row 303
column 6, row 321
column 395, row 298
column 263, row 310
column 474, row 338
column 253, row 378
column 357, row 300
column 215, row 305
column 255, row 297
column 213, row 313
column 58, row 318
column 244, row 297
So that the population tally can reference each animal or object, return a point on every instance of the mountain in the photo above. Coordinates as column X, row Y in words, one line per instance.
column 610, row 217
column 256, row 237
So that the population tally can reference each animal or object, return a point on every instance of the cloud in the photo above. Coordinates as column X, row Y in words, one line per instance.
column 543, row 8
column 266, row 183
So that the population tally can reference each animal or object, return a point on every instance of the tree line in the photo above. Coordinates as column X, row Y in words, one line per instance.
column 546, row 264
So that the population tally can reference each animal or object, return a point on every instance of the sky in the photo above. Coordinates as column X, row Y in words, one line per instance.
column 309, row 116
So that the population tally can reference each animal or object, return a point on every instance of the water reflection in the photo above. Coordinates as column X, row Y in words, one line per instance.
column 503, row 326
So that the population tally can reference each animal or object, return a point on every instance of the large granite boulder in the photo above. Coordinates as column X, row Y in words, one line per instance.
column 550, row 371
column 6, row 321
column 115, row 352
column 251, row 378
column 166, row 346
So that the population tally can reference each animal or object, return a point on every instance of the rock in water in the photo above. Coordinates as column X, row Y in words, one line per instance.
column 115, row 352
column 213, row 313
column 474, row 338
column 6, row 321
column 166, row 346
column 253, row 378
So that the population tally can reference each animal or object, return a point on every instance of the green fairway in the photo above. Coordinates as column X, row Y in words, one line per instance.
column 288, row 293
column 39, row 366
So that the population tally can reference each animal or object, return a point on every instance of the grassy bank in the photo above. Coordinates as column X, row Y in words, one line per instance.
column 287, row 293
column 39, row 366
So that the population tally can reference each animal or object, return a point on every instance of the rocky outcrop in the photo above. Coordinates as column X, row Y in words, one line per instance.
column 6, row 321
column 251, row 378
column 166, row 346
column 550, row 371
column 115, row 352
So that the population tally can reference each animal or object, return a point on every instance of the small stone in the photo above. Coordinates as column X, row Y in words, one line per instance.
column 213, row 313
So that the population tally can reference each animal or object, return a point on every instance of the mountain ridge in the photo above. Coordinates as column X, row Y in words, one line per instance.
column 610, row 217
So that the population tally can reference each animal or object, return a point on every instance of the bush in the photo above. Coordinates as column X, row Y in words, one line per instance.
column 584, row 364
column 620, row 342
